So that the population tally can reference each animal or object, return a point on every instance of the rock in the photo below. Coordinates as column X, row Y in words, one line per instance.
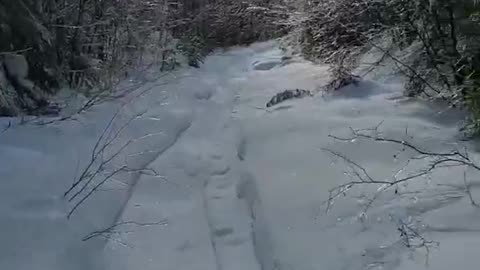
column 23, row 93
column 194, row 64
column 25, row 84
column 266, row 65
column 50, row 110
column 341, row 80
column 8, row 107
column 288, row 94
column 3, row 79
column 80, row 63
column 16, row 66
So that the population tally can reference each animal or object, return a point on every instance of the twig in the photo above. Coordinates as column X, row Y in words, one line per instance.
column 94, row 155
column 437, row 160
column 110, row 230
column 104, row 96
column 95, row 188
column 455, row 153
column 349, row 161
column 468, row 190
column 409, row 236
column 98, row 163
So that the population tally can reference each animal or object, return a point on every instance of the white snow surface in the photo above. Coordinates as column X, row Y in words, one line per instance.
column 219, row 182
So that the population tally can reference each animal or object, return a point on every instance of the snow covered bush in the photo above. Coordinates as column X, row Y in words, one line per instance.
column 334, row 26
column 194, row 47
column 447, row 63
column 82, row 44
column 442, row 35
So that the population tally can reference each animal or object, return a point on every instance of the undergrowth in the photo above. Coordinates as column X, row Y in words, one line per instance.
column 446, row 33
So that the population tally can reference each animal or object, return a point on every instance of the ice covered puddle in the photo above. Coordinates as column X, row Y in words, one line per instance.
column 236, row 185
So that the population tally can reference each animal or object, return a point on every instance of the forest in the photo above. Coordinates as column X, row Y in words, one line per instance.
column 92, row 44
column 85, row 44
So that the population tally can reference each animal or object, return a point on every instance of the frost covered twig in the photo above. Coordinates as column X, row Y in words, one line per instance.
column 107, row 232
column 100, row 167
column 413, row 239
column 360, row 175
column 98, row 149
column 107, row 95
column 95, row 188
column 468, row 190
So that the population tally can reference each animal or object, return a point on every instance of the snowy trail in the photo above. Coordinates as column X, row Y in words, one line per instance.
column 209, row 222
column 239, row 187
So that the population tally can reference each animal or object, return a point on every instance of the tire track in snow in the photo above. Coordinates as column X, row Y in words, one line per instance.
column 229, row 213
column 230, row 218
column 205, row 157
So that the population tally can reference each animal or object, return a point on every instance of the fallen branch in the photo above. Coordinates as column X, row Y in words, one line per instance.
column 360, row 175
column 92, row 177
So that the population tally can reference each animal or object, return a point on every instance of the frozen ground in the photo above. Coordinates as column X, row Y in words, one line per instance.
column 227, row 184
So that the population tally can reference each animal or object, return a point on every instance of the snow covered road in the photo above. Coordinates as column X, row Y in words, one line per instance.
column 199, row 194
column 237, row 186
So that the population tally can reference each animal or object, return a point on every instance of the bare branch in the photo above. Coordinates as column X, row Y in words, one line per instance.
column 356, row 165
column 468, row 190
column 95, row 188
column 113, row 229
column 435, row 160
column 412, row 238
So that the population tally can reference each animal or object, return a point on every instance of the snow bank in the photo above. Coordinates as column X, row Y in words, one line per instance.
column 40, row 162
column 283, row 151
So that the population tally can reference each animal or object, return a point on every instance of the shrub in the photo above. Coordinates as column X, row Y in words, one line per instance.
column 337, row 26
column 447, row 60
column 109, row 37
